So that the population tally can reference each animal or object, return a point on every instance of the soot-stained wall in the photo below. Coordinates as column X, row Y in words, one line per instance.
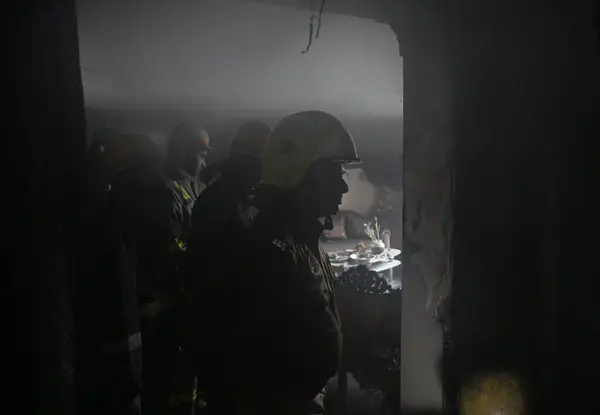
column 500, row 99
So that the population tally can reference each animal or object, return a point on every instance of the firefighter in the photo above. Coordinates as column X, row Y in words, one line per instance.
column 229, row 194
column 492, row 394
column 242, row 168
column 278, row 340
column 108, row 320
column 219, row 205
column 187, row 147
column 173, row 386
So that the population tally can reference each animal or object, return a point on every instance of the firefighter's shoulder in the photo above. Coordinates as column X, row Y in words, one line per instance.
column 268, row 239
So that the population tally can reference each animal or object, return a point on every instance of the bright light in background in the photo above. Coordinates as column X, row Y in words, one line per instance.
column 235, row 55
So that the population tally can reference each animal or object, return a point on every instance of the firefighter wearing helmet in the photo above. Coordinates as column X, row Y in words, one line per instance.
column 187, row 148
column 173, row 388
column 245, row 153
column 280, row 341
column 217, row 207
column 230, row 188
column 115, row 233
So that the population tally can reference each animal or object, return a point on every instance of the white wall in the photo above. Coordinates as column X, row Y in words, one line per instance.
column 361, row 196
column 235, row 55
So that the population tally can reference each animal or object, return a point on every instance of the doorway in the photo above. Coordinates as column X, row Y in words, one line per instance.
column 221, row 63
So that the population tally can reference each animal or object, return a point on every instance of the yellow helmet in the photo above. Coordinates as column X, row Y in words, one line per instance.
column 301, row 139
column 493, row 394
column 250, row 139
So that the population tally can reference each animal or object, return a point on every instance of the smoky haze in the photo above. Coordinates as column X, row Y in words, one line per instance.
column 235, row 55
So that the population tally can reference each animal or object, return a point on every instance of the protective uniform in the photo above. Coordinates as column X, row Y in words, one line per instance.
column 140, row 205
column 278, row 340
column 229, row 194
column 184, row 196
column 185, row 138
column 107, row 317
column 173, row 389
column 248, row 142
column 492, row 394
column 218, row 206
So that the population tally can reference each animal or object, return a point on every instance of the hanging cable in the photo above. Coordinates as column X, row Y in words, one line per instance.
column 319, row 18
column 314, row 16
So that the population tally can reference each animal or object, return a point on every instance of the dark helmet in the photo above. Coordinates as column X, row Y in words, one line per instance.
column 298, row 141
column 250, row 139
column 126, row 151
column 188, row 137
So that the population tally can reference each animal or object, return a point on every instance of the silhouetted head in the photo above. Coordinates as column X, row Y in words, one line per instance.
column 127, row 152
column 305, row 157
column 187, row 147
column 246, row 152
column 134, row 168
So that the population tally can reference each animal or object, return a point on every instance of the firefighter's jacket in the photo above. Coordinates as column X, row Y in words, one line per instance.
column 217, row 219
column 183, row 197
column 162, row 224
column 107, row 317
column 270, row 311
column 144, row 204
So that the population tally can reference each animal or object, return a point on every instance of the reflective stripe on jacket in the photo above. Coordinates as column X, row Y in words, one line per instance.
column 183, row 199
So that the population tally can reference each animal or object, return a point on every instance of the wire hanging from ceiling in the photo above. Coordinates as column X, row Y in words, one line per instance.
column 314, row 17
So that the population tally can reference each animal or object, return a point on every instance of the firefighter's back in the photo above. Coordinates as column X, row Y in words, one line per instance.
column 281, row 329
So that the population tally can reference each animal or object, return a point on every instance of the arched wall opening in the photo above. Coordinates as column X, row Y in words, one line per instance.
column 221, row 63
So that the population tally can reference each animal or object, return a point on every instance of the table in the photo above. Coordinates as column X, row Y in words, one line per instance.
column 395, row 282
column 378, row 266
column 384, row 266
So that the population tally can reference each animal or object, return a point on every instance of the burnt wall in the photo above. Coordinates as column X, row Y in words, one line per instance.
column 527, row 102
column 509, row 93
column 427, row 188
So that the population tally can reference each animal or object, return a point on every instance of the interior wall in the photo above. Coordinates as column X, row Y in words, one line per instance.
column 518, row 104
column 533, row 113
column 233, row 54
column 427, row 194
